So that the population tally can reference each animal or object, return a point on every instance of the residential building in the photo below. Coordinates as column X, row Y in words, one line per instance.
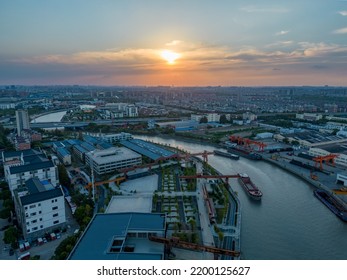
column 21, row 143
column 248, row 116
column 20, row 166
column 121, row 236
column 22, row 119
column 40, row 208
column 309, row 116
column 112, row 159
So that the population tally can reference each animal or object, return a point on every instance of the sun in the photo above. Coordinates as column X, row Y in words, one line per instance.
column 169, row 56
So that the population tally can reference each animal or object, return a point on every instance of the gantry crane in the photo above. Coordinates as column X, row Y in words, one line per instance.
column 176, row 242
column 247, row 142
column 198, row 176
column 328, row 158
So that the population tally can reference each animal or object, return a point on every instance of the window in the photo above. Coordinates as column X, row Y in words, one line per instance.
column 55, row 208
column 55, row 215
column 32, row 206
column 26, row 207
column 142, row 234
column 33, row 214
column 39, row 204
column 41, row 226
column 56, row 222
column 28, row 230
column 40, row 212
column 34, row 221
column 40, row 219
column 35, row 228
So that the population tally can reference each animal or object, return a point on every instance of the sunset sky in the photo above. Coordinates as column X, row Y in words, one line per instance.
column 177, row 42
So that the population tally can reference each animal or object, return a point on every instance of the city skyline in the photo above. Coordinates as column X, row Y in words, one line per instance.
column 181, row 43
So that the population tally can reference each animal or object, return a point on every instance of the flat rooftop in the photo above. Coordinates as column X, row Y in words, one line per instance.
column 112, row 154
column 147, row 149
column 104, row 229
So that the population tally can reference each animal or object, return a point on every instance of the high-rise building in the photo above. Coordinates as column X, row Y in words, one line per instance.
column 22, row 119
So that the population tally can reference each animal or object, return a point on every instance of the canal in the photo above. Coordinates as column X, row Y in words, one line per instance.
column 288, row 223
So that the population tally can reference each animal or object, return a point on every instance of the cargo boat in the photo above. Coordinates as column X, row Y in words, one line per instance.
column 251, row 189
column 244, row 153
column 228, row 155
column 332, row 203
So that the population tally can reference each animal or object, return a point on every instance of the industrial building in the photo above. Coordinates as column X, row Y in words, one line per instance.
column 121, row 236
column 109, row 138
column 40, row 207
column 112, row 159
column 147, row 149
column 64, row 156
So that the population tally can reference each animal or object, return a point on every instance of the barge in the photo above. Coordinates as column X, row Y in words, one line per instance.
column 244, row 153
column 228, row 155
column 251, row 189
column 332, row 203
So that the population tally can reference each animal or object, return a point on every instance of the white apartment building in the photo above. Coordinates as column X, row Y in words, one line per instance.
column 21, row 166
column 40, row 208
column 112, row 159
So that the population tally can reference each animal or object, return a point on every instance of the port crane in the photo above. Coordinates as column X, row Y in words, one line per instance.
column 176, row 242
column 328, row 158
column 247, row 142
column 201, row 176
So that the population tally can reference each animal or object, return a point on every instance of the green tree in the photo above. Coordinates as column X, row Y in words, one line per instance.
column 64, row 178
column 204, row 119
column 223, row 119
column 10, row 236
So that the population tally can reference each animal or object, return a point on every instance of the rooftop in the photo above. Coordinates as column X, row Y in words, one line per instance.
column 36, row 190
column 112, row 154
column 105, row 229
column 63, row 152
column 147, row 149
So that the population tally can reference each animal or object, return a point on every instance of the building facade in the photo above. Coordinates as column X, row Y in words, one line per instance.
column 112, row 159
column 40, row 208
column 21, row 166
column 22, row 120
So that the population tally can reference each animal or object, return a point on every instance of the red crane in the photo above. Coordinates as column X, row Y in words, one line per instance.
column 328, row 158
column 197, row 176
column 176, row 242
column 247, row 142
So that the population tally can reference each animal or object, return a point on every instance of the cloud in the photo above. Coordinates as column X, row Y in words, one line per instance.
column 174, row 43
column 282, row 32
column 340, row 31
column 343, row 13
column 255, row 9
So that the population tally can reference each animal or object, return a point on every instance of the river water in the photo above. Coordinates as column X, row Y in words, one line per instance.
column 52, row 117
column 289, row 223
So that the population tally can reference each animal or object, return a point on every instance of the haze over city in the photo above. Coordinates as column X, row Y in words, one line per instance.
column 181, row 43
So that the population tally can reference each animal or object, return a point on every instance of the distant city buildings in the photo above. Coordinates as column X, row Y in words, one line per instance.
column 309, row 116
